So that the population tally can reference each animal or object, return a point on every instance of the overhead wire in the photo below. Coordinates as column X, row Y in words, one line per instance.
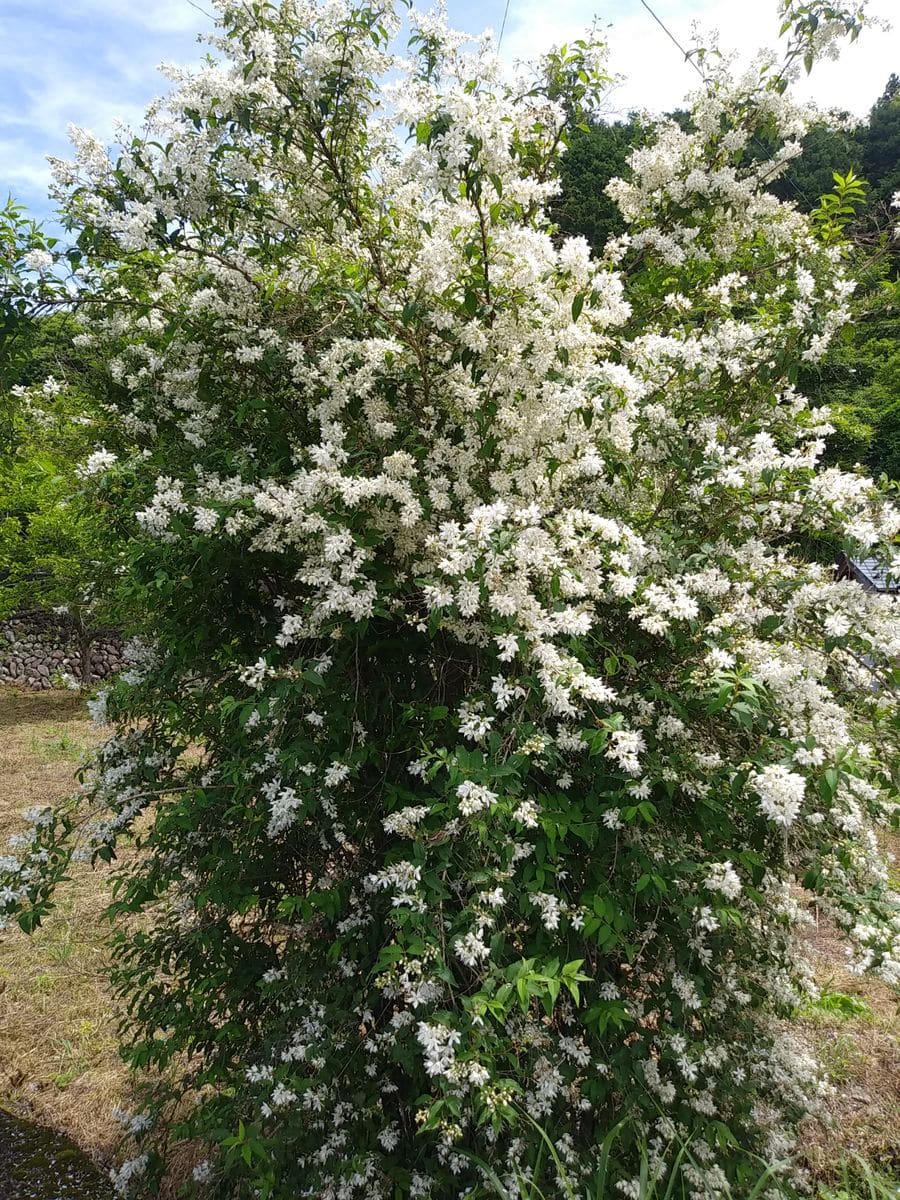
column 503, row 25
column 690, row 59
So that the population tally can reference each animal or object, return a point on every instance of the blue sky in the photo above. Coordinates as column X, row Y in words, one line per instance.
column 91, row 61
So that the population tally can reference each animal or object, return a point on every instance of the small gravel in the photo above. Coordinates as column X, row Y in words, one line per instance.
column 38, row 1164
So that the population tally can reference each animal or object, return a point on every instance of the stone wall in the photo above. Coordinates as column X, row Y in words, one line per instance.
column 37, row 649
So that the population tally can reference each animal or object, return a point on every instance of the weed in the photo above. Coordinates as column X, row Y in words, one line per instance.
column 837, row 1006
column 859, row 1180
column 60, row 944
column 841, row 1057
column 58, row 745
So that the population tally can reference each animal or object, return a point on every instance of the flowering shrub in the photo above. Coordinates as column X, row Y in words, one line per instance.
column 494, row 698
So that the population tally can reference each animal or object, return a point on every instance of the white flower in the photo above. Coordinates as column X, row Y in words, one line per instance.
column 283, row 1096
column 508, row 645
column 439, row 1044
column 527, row 814
column 405, row 820
column 38, row 260
column 336, row 774
column 473, row 723
column 550, row 908
column 837, row 625
column 256, row 675
column 284, row 806
column 624, row 747
column 470, row 949
column 133, row 1123
column 205, row 519
column 131, row 1169
column 780, row 793
column 390, row 1137
column 477, row 1073
column 723, row 878
column 202, row 1173
column 99, row 461
column 474, row 798
column 401, row 876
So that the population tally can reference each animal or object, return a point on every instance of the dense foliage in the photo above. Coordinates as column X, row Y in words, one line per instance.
column 859, row 378
column 489, row 709
column 26, row 284
column 596, row 153
column 59, row 545
column 880, row 145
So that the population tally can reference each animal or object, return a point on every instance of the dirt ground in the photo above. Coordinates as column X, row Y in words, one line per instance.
column 854, row 1031
column 58, row 1059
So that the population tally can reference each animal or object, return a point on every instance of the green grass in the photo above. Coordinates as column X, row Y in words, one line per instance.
column 841, row 1057
column 835, row 1006
column 856, row 1177
column 56, row 745
column 860, row 1180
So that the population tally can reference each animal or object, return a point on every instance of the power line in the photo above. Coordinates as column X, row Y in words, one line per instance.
column 503, row 25
column 211, row 16
column 689, row 58
column 672, row 38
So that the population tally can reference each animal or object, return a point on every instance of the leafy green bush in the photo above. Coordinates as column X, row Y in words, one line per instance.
column 488, row 709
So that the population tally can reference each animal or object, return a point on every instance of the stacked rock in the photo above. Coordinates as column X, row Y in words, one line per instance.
column 40, row 649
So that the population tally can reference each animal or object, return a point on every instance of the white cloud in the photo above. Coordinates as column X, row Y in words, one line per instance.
column 84, row 62
column 20, row 171
column 656, row 76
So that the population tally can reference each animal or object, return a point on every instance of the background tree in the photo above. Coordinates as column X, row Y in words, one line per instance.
column 880, row 142
column 59, row 548
column 827, row 147
column 595, row 154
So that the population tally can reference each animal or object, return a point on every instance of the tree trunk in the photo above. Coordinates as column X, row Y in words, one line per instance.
column 85, row 643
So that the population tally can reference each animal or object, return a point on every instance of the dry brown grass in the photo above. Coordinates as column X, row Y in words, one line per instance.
column 58, row 1059
column 860, row 1053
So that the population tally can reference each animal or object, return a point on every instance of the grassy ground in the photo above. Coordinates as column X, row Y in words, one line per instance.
column 854, row 1031
column 58, row 1060
column 57, row 1022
